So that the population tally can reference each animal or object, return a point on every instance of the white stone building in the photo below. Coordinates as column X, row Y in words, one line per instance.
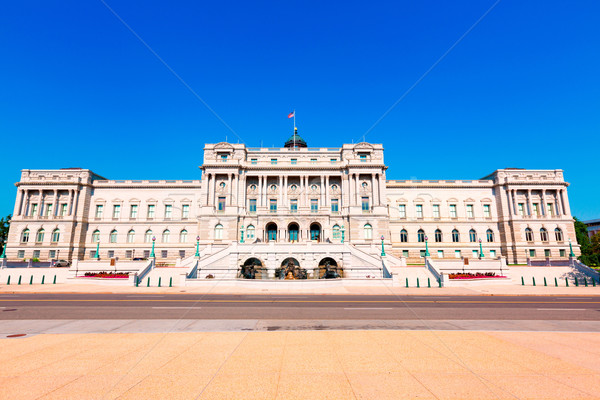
column 295, row 201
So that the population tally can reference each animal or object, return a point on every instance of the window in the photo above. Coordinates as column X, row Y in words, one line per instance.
column 253, row 161
column 99, row 210
column 544, row 234
column 40, row 236
column 63, row 209
column 168, row 211
column 532, row 253
column 314, row 205
column 166, row 235
column 455, row 236
column 440, row 253
column 223, row 157
column 475, row 253
column 164, row 253
column 313, row 160
column 457, row 254
column 151, row 208
column 422, row 253
column 25, row 236
column 452, row 210
column 21, row 254
column 405, row 253
column 116, row 211
column 472, row 236
column 493, row 253
column 131, row 236
column 550, row 209
column 419, row 211
column 294, row 161
column 421, row 235
column 185, row 211
column 528, row 235
column 181, row 253
column 250, row 232
column 294, row 205
column 252, row 205
column 470, row 213
column 146, row 253
column 111, row 253
column 558, row 234
column 547, row 253
column 368, row 231
column 402, row 209
column 436, row 211
column 333, row 160
column 273, row 205
column 438, row 235
column 562, row 253
column 221, row 204
column 49, row 210
column 148, row 236
column 490, row 235
column 273, row 161
column 363, row 157
column 536, row 209
column 36, row 254
column 133, row 211
column 403, row 236
column 113, row 236
column 521, row 208
column 219, row 231
column 336, row 232
column 365, row 204
column 487, row 212
column 334, row 205
column 96, row 236
column 183, row 236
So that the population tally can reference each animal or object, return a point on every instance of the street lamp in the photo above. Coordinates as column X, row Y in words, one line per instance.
column 242, row 234
column 343, row 231
column 571, row 254
column 152, row 252
column 97, row 255
column 3, row 256
column 382, row 249
column 197, row 247
column 427, row 247
column 480, row 250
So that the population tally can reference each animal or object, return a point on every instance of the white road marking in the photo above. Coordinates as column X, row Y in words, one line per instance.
column 562, row 309
column 174, row 307
column 573, row 298
column 147, row 296
column 368, row 308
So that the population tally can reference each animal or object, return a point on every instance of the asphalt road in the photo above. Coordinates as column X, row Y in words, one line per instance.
column 295, row 307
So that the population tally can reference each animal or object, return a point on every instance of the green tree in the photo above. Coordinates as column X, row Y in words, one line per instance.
column 4, row 224
column 595, row 249
column 588, row 255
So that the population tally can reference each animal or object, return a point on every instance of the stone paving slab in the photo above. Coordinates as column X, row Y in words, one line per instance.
column 361, row 364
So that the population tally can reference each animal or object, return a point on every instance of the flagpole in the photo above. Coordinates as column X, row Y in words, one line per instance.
column 294, row 121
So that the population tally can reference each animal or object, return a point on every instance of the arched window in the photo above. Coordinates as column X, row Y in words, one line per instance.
column 183, row 236
column 131, row 236
column 368, row 231
column 438, row 235
column 166, row 235
column 148, row 236
column 544, row 234
column 250, row 232
column 558, row 234
column 403, row 236
column 40, row 236
column 336, row 232
column 113, row 236
column 219, row 231
column 472, row 235
column 455, row 236
column 490, row 235
column 529, row 235
column 96, row 236
column 55, row 235
column 420, row 235
column 25, row 236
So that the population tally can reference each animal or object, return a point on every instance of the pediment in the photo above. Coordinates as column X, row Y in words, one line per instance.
column 223, row 146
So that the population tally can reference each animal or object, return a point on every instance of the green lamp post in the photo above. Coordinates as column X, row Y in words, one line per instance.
column 343, row 231
column 3, row 256
column 152, row 252
column 197, row 247
column 382, row 249
column 571, row 254
column 427, row 247
column 242, row 234
column 97, row 255
column 480, row 250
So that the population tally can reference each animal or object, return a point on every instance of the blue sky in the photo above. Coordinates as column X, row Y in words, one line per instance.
column 78, row 89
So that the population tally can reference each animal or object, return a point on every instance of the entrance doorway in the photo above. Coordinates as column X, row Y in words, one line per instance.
column 315, row 232
column 293, row 229
column 271, row 232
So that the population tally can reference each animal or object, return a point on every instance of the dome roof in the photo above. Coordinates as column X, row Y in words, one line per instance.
column 295, row 140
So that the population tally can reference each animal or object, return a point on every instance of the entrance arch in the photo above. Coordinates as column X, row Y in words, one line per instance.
column 329, row 269
column 293, row 230
column 271, row 232
column 252, row 268
column 315, row 231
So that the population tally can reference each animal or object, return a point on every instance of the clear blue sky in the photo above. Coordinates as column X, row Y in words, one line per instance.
column 78, row 89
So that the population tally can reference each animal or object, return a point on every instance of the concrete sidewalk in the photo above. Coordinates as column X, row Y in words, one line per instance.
column 302, row 365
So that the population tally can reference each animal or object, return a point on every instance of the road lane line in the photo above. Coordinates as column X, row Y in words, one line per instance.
column 562, row 309
column 368, row 308
column 301, row 301
column 144, row 296
column 182, row 308
column 573, row 298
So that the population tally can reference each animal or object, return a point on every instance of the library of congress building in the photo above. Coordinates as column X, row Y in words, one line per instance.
column 288, row 201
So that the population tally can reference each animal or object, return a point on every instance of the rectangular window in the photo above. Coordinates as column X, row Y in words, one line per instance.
column 440, row 253
column 422, row 253
column 49, row 210
column 547, row 253
column 181, row 253
column 33, row 209
column 36, row 254
column 333, row 160
column 487, row 211
column 457, row 253
column 111, row 253
column 294, row 161
column 453, row 211
column 224, row 157
column 419, row 211
column 146, row 253
column 436, row 211
column 363, row 157
column 52, row 254
column 252, row 206
column 92, row 253
column 273, row 161
column 470, row 213
column 133, row 211
column 151, row 208
column 550, row 209
column 21, row 254
column 402, row 209
column 221, row 204
column 334, row 205
column 294, row 205
column 185, row 211
column 475, row 253
column 521, row 207
column 128, row 254
column 313, row 160
column 168, row 211
column 164, row 253
column 365, row 204
column 536, row 209
column 116, row 211
column 273, row 205
column 405, row 253
column 562, row 253
column 314, row 205
column 63, row 209
column 99, row 210
column 253, row 161
column 493, row 253
column 531, row 253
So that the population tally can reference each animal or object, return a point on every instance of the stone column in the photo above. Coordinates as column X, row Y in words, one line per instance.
column 71, row 196
column 322, row 191
column 207, row 186
column 529, row 206
column 509, row 203
column 343, row 186
column 213, row 186
column 557, row 205
column 565, row 202
column 327, row 195
column 514, row 201
column 375, row 189
column 280, row 201
column 285, row 192
column 42, row 199
column 19, row 204
column 357, row 193
column 55, row 207
column 544, row 210
column 229, row 188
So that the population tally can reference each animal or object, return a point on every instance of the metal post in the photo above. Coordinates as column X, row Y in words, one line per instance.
column 343, row 231
column 426, row 248
column 197, row 247
column 97, row 255
column 382, row 249
column 171, row 282
column 555, row 282
column 152, row 252
column 159, row 279
column 242, row 234
column 8, row 281
column 522, row 281
column 545, row 284
column 43, row 278
column 571, row 254
column 480, row 250
column 533, row 277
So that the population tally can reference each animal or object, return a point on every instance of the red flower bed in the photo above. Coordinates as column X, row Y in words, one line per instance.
column 477, row 275
column 109, row 275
